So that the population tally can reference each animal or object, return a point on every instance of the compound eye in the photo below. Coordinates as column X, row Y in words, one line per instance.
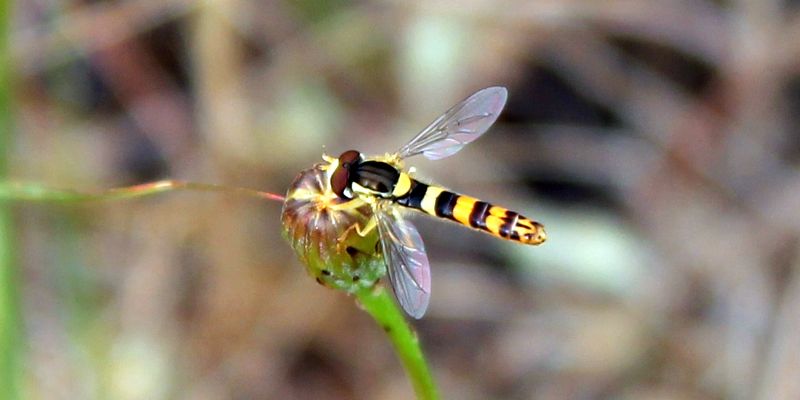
column 349, row 158
column 340, row 180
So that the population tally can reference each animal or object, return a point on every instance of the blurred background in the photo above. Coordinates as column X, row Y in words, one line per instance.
column 657, row 141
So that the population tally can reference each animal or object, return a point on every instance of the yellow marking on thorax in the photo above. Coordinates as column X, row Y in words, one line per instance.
column 392, row 159
column 429, row 201
column 402, row 186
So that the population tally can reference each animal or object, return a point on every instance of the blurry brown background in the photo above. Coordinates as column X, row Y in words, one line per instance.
column 657, row 141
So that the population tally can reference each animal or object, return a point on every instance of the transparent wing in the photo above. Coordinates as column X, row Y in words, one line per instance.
column 406, row 261
column 463, row 123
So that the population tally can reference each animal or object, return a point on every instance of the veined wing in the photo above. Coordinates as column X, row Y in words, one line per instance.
column 406, row 261
column 463, row 123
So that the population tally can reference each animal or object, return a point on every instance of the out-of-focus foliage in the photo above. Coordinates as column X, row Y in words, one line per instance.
column 657, row 141
column 11, row 353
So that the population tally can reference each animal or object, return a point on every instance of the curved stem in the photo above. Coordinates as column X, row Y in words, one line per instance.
column 380, row 305
column 29, row 191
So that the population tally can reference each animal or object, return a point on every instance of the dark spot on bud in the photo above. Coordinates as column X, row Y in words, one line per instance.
column 387, row 328
column 319, row 280
column 326, row 272
column 351, row 251
column 356, row 278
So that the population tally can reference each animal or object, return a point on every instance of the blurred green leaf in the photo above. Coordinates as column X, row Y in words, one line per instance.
column 11, row 340
column 434, row 60
column 316, row 11
column 305, row 117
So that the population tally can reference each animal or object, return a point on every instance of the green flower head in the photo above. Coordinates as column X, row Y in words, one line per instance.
column 324, row 235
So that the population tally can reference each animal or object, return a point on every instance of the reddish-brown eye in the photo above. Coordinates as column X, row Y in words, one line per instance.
column 349, row 157
column 339, row 181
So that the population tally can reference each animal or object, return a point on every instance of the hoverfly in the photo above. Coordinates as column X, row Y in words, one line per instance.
column 382, row 183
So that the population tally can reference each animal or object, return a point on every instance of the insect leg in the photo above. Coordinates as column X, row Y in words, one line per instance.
column 372, row 224
column 350, row 205
column 363, row 232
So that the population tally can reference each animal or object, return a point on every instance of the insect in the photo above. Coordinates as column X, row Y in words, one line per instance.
column 383, row 183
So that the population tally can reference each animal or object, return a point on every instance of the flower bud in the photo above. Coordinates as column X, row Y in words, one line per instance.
column 321, row 228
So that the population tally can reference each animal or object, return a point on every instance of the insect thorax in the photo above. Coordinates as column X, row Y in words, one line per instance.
column 375, row 178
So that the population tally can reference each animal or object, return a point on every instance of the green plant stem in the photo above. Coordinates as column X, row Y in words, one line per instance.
column 380, row 305
column 11, row 338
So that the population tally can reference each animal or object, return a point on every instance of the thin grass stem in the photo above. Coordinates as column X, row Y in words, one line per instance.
column 30, row 191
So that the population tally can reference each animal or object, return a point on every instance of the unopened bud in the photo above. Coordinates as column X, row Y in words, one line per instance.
column 321, row 228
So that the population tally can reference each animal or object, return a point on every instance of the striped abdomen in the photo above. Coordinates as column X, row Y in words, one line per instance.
column 471, row 212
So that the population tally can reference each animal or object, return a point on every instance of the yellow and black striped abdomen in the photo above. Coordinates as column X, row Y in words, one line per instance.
column 471, row 212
